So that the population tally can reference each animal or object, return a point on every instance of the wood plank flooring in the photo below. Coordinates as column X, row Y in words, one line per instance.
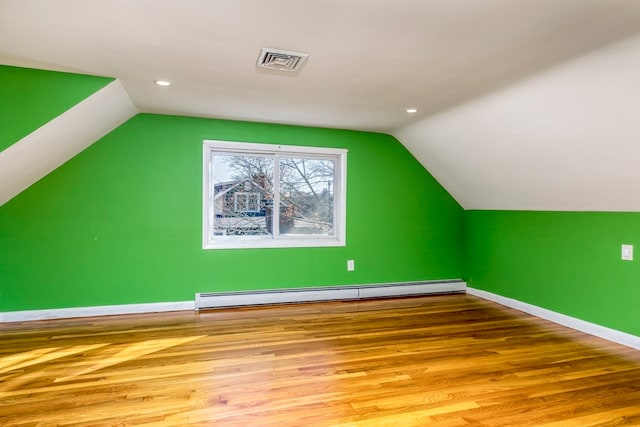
column 450, row 360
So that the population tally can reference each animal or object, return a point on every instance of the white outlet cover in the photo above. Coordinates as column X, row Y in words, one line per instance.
column 627, row 252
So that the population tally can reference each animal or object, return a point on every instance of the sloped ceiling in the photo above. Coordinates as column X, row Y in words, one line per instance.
column 46, row 148
column 481, row 74
column 566, row 139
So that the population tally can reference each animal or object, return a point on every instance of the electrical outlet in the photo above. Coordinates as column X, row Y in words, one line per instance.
column 351, row 265
column 627, row 252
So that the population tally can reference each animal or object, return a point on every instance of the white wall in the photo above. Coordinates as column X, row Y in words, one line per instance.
column 564, row 139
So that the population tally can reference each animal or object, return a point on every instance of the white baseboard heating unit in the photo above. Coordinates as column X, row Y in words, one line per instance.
column 206, row 300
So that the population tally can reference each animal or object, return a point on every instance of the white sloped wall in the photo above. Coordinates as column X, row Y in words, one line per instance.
column 566, row 139
column 34, row 156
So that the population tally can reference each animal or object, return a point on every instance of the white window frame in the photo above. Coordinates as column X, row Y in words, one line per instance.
column 339, row 155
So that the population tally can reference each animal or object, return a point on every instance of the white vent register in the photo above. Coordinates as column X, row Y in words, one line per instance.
column 282, row 60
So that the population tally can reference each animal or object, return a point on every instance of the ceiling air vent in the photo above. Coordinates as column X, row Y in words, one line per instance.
column 282, row 60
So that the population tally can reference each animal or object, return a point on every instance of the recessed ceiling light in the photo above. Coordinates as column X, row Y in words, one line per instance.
column 163, row 83
column 411, row 110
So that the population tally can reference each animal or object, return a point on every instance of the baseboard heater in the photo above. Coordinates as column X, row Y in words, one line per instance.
column 207, row 300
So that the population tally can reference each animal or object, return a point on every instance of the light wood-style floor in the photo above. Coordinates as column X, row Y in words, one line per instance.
column 450, row 360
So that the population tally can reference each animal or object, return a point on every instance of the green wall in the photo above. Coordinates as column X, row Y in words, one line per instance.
column 121, row 222
column 568, row 262
column 30, row 98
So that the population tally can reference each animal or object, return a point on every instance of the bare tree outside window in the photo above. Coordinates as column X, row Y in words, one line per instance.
column 306, row 191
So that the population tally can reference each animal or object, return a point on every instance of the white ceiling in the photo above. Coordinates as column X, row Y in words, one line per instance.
column 368, row 61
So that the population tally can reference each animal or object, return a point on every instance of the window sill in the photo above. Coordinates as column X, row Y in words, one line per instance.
column 280, row 243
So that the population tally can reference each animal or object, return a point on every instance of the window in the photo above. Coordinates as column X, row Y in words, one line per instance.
column 246, row 202
column 263, row 195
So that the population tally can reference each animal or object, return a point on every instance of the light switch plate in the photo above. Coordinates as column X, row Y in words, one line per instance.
column 627, row 252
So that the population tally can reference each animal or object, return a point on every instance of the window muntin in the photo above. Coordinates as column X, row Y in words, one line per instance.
column 243, row 182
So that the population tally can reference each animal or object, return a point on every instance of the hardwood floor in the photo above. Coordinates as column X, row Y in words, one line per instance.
column 451, row 360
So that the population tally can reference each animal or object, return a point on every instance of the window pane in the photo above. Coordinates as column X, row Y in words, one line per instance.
column 306, row 196
column 242, row 195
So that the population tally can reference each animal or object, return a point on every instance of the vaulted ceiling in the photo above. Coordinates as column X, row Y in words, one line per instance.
column 521, row 104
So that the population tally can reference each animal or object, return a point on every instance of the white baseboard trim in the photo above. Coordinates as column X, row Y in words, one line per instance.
column 105, row 310
column 235, row 299
column 206, row 300
column 561, row 319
